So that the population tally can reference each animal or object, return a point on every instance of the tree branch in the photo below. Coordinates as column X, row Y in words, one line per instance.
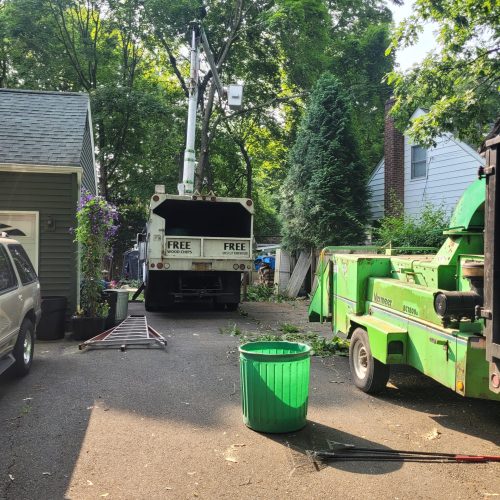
column 173, row 62
column 275, row 100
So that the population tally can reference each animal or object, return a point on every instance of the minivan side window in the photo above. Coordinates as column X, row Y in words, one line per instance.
column 23, row 264
column 8, row 279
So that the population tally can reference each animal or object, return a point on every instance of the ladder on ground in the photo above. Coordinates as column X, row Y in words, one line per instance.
column 134, row 331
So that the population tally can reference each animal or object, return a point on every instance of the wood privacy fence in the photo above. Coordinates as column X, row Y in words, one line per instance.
column 295, row 272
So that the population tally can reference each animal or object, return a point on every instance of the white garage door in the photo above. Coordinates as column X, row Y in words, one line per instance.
column 22, row 226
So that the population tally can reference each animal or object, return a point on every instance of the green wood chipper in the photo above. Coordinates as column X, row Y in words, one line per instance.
column 433, row 312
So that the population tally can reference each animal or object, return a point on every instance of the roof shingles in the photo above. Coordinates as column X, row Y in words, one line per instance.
column 42, row 128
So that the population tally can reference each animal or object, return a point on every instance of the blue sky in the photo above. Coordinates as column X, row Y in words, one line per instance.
column 412, row 55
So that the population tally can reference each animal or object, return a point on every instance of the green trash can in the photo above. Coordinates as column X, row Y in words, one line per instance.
column 275, row 385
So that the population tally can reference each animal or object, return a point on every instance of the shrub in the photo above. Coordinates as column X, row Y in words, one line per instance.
column 425, row 230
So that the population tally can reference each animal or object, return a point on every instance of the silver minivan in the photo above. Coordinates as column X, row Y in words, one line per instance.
column 20, row 307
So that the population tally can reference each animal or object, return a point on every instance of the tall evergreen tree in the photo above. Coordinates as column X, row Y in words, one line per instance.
column 324, row 197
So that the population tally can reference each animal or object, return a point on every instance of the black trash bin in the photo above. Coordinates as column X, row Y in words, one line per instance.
column 52, row 322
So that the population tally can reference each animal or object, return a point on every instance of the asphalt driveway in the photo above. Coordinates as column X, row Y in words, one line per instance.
column 167, row 424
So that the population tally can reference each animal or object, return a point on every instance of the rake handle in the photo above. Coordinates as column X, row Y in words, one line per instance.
column 349, row 448
column 408, row 456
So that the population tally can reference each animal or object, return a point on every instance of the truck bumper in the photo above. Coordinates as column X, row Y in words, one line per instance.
column 199, row 265
column 165, row 287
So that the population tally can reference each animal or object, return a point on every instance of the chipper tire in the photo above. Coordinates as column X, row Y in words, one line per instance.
column 368, row 374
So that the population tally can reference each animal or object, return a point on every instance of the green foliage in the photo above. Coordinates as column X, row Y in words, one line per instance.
column 96, row 225
column 132, row 221
column 129, row 55
column 232, row 329
column 426, row 230
column 303, row 29
column 360, row 64
column 324, row 194
column 259, row 293
column 321, row 346
column 459, row 82
column 263, row 293
column 289, row 328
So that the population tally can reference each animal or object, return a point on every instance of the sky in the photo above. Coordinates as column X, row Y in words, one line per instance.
column 412, row 55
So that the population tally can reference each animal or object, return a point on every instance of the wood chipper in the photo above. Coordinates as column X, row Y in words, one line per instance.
column 433, row 312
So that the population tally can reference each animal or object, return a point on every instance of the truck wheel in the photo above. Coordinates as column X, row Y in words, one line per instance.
column 23, row 350
column 148, row 304
column 150, row 307
column 368, row 373
column 168, row 306
column 232, row 306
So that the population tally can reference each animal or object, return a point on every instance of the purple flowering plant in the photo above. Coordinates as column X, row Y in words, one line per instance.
column 97, row 224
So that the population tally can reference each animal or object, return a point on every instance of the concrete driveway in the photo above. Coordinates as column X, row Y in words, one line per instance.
column 156, row 424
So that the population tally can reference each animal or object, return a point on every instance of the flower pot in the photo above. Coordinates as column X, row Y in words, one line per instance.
column 86, row 328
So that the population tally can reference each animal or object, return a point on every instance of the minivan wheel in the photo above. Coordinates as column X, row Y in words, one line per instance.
column 23, row 350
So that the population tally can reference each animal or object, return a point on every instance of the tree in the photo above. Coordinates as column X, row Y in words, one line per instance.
column 97, row 46
column 359, row 63
column 130, row 56
column 247, row 38
column 459, row 82
column 324, row 197
column 303, row 30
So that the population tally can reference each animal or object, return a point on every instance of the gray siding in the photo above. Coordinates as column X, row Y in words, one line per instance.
column 451, row 167
column 51, row 195
column 376, row 188
column 87, row 162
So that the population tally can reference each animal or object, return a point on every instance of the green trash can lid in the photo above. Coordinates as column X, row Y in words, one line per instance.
column 275, row 350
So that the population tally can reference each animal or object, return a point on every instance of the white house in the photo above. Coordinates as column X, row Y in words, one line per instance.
column 417, row 175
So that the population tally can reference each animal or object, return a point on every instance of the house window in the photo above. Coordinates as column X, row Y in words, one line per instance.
column 418, row 162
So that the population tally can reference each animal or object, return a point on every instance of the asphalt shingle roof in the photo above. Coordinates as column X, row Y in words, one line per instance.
column 42, row 128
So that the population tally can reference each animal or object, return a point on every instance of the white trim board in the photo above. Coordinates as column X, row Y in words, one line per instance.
column 94, row 165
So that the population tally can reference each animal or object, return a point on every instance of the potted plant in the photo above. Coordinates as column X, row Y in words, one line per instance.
column 96, row 225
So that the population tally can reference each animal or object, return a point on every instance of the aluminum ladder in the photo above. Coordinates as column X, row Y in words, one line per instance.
column 134, row 331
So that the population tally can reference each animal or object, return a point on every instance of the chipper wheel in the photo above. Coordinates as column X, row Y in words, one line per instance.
column 369, row 374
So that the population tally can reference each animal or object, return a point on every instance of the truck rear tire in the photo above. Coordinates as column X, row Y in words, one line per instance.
column 149, row 305
column 368, row 373
column 232, row 306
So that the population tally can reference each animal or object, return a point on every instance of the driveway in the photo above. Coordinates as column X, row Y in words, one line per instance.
column 167, row 424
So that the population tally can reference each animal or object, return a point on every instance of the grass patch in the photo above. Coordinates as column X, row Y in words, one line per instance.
column 263, row 293
column 321, row 346
column 140, row 297
column 231, row 329
column 289, row 328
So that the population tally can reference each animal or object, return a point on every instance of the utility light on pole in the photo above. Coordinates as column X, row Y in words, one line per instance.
column 233, row 94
